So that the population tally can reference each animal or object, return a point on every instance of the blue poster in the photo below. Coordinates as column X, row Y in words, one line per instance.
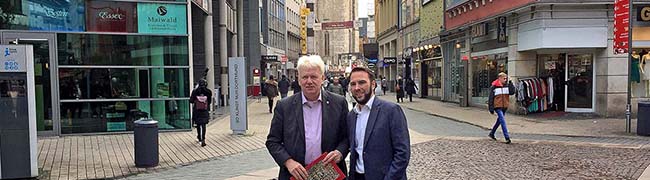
column 53, row 15
column 157, row 18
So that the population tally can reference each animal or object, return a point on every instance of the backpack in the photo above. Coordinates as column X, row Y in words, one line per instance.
column 201, row 102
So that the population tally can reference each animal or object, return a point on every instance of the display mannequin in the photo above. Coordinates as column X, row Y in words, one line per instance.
column 635, row 75
column 644, row 66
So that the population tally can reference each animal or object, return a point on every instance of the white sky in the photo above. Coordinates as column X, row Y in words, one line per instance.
column 364, row 6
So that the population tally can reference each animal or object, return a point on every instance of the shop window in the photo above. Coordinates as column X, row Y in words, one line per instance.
column 115, row 116
column 122, row 50
column 111, row 83
column 485, row 69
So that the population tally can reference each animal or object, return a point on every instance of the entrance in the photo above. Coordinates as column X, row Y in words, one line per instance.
column 580, row 83
column 47, row 108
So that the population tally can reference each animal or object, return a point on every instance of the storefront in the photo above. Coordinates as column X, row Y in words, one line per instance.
column 430, row 70
column 641, row 42
column 484, row 70
column 98, row 64
column 455, row 50
column 575, row 69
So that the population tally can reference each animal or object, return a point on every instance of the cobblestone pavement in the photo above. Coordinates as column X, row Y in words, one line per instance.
column 221, row 168
column 462, row 151
column 484, row 159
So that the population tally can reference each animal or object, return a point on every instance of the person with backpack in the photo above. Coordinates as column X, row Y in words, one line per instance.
column 271, row 90
column 201, row 98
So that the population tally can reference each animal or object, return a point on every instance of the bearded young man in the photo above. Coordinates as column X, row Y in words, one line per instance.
column 379, row 138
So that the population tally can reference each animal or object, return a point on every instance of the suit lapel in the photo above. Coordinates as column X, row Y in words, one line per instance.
column 325, row 106
column 372, row 118
column 300, row 122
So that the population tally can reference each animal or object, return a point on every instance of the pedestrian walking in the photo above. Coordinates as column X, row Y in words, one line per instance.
column 411, row 88
column 271, row 91
column 379, row 137
column 499, row 100
column 201, row 98
column 308, row 124
column 399, row 89
column 283, row 85
column 295, row 86
column 384, row 85
column 336, row 87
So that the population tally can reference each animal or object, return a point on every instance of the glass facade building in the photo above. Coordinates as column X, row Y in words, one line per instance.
column 101, row 63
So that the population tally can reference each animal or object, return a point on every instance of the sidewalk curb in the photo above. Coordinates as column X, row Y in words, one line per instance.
column 529, row 141
column 489, row 128
column 646, row 173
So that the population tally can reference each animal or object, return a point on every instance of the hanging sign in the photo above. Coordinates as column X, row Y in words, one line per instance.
column 621, row 26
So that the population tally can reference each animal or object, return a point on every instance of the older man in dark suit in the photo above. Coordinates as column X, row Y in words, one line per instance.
column 379, row 137
column 308, row 124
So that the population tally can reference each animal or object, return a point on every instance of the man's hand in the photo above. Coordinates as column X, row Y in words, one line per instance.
column 296, row 169
column 335, row 156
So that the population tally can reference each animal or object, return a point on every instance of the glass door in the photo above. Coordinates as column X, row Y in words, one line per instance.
column 580, row 83
column 47, row 111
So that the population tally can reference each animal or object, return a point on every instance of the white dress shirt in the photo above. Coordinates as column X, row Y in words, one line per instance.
column 360, row 132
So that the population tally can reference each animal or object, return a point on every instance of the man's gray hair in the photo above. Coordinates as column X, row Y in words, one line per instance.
column 311, row 61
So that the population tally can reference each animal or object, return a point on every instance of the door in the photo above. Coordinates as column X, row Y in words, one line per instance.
column 580, row 85
column 47, row 106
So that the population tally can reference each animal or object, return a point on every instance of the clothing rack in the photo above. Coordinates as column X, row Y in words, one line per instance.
column 535, row 94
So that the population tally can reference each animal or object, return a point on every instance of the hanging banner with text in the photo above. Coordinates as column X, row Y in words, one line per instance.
column 621, row 26
column 156, row 18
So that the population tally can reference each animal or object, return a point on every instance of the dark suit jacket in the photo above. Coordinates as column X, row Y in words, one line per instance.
column 386, row 148
column 286, row 139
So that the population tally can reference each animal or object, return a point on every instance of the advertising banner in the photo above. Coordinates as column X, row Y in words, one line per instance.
column 237, row 91
column 103, row 16
column 156, row 18
column 621, row 26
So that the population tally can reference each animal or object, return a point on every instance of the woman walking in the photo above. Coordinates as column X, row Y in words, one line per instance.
column 271, row 91
column 399, row 89
column 201, row 97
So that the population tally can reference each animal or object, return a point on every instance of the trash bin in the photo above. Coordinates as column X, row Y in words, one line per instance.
column 643, row 121
column 145, row 135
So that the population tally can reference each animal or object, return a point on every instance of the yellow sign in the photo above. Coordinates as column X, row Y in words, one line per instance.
column 304, row 12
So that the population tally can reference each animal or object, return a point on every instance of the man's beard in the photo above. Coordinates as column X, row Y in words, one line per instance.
column 366, row 98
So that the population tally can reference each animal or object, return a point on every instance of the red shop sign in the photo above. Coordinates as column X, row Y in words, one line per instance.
column 111, row 16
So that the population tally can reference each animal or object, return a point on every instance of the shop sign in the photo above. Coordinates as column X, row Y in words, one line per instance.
column 643, row 13
column 337, row 25
column 156, row 18
column 105, row 16
column 272, row 58
column 502, row 27
column 50, row 15
column 13, row 59
column 621, row 26
column 479, row 29
column 390, row 60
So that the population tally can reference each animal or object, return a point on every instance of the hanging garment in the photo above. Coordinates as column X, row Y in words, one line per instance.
column 550, row 90
column 635, row 75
